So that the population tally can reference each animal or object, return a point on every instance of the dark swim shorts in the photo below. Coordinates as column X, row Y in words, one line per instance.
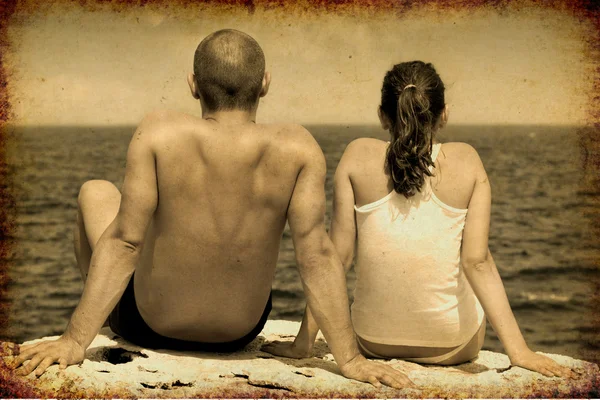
column 125, row 320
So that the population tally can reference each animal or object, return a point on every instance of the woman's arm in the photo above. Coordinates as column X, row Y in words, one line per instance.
column 343, row 235
column 481, row 271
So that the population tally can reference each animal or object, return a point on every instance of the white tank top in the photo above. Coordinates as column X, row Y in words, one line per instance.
column 410, row 287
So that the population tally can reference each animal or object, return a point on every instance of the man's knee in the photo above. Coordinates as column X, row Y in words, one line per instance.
column 97, row 190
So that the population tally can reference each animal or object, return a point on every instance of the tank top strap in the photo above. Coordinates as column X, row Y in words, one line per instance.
column 435, row 150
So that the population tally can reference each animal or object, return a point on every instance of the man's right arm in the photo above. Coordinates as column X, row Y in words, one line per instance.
column 112, row 263
column 322, row 273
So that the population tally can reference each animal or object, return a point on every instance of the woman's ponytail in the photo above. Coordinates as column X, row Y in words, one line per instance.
column 412, row 100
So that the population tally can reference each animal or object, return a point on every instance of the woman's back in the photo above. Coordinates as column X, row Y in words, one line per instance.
column 453, row 180
column 410, row 289
column 417, row 215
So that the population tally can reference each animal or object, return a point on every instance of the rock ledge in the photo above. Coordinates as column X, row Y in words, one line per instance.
column 116, row 368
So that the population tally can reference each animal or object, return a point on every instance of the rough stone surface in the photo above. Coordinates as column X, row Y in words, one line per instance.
column 116, row 368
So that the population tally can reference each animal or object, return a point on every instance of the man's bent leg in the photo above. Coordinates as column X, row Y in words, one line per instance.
column 98, row 204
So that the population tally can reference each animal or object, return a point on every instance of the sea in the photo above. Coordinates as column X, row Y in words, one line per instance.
column 543, row 235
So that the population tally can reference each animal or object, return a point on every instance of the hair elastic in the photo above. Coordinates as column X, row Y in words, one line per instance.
column 409, row 85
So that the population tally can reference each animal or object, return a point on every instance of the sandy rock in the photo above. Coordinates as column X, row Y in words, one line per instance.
column 116, row 368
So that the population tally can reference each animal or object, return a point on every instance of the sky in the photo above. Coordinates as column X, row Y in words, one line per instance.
column 71, row 66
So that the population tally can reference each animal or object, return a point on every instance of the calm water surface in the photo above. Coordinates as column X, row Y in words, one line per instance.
column 541, row 235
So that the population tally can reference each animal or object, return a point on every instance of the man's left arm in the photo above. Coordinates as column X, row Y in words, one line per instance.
column 112, row 264
column 323, row 276
column 342, row 234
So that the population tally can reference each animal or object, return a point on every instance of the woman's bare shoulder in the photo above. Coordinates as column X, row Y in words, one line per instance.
column 462, row 161
column 461, row 154
column 458, row 149
column 364, row 148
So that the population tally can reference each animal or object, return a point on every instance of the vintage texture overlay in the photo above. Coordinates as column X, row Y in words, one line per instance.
column 587, row 80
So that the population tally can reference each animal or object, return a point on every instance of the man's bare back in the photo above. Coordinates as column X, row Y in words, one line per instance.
column 197, row 225
column 211, row 252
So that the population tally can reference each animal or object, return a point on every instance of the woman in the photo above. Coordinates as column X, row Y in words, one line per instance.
column 418, row 213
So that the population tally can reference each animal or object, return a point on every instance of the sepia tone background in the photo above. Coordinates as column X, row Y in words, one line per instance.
column 521, row 87
column 84, row 66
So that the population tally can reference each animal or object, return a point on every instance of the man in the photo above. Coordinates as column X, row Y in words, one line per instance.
column 184, row 257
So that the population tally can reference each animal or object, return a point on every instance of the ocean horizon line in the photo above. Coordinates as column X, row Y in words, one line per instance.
column 10, row 125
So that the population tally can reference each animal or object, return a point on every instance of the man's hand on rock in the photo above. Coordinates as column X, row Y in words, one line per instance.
column 361, row 369
column 542, row 364
column 63, row 351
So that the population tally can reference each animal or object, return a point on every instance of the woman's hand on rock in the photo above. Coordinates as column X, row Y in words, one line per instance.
column 286, row 349
column 542, row 364
column 375, row 373
column 40, row 356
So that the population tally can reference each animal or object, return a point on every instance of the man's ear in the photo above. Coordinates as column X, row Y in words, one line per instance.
column 191, row 80
column 265, row 84
column 383, row 119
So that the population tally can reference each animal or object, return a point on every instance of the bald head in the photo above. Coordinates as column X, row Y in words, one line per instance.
column 229, row 67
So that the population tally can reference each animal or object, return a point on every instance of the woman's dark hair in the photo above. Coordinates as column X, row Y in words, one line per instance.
column 412, row 98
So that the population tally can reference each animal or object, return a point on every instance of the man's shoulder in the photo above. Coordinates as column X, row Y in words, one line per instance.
column 161, row 117
column 163, row 124
column 293, row 137
column 297, row 145
column 289, row 131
